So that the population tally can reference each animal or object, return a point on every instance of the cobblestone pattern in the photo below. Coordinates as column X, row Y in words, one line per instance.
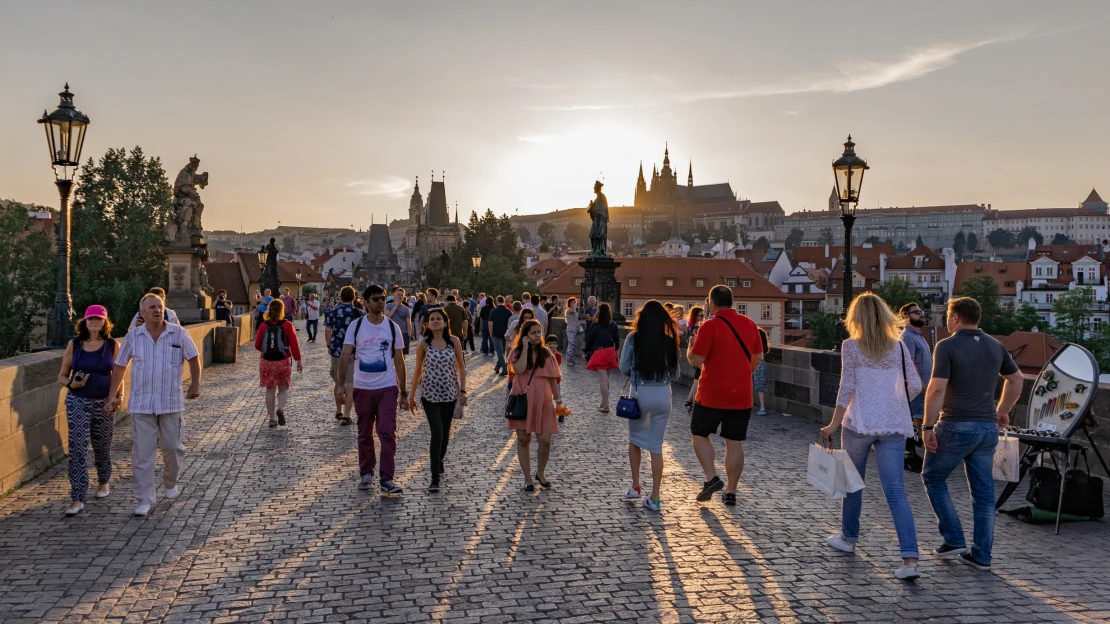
column 270, row 526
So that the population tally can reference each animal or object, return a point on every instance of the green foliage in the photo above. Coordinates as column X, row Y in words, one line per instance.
column 761, row 243
column 658, row 232
column 824, row 325
column 1062, row 239
column 897, row 293
column 901, row 247
column 1025, row 319
column 577, row 235
column 308, row 289
column 1028, row 232
column 524, row 234
column 960, row 244
column 984, row 289
column 498, row 275
column 1001, row 239
column 741, row 235
column 120, row 208
column 27, row 284
column 545, row 231
column 619, row 236
column 1073, row 315
column 793, row 239
column 495, row 239
column 919, row 241
column 872, row 240
column 972, row 242
column 826, row 237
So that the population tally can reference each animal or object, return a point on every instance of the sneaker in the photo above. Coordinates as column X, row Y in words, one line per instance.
column 633, row 493
column 971, row 561
column 944, row 551
column 105, row 492
column 762, row 411
column 907, row 573
column 561, row 419
column 729, row 498
column 366, row 482
column 709, row 487
column 651, row 505
column 840, row 544
column 76, row 508
column 434, row 486
column 142, row 510
column 171, row 493
column 390, row 489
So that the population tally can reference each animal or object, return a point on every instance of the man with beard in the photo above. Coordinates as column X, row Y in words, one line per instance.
column 923, row 360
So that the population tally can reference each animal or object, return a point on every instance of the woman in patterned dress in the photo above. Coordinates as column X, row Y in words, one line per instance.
column 537, row 375
column 574, row 327
column 87, row 374
column 441, row 377
column 275, row 375
column 759, row 375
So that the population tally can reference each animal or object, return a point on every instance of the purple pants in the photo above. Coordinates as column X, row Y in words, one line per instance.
column 377, row 409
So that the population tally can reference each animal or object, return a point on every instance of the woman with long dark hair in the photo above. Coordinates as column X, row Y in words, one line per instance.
column 650, row 359
column 87, row 374
column 441, row 377
column 536, row 375
column 602, row 340
column 276, row 340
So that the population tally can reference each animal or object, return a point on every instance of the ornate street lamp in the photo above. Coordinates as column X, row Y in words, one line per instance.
column 477, row 260
column 262, row 255
column 848, row 171
column 65, row 136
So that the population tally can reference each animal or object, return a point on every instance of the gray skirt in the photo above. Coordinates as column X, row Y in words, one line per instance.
column 655, row 408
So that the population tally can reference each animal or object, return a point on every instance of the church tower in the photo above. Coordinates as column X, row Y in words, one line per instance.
column 834, row 201
column 416, row 204
column 640, row 198
column 690, row 176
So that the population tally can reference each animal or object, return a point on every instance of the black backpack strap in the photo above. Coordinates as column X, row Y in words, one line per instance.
column 905, row 379
column 392, row 336
column 742, row 345
column 358, row 324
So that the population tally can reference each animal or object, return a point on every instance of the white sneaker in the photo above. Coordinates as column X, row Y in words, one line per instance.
column 171, row 493
column 143, row 509
column 651, row 505
column 838, row 543
column 75, row 508
column 907, row 573
column 105, row 492
column 633, row 493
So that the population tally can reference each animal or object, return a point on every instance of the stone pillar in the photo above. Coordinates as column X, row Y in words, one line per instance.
column 225, row 345
column 601, row 281
column 186, row 295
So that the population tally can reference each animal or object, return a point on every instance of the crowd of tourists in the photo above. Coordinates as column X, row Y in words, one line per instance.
column 891, row 389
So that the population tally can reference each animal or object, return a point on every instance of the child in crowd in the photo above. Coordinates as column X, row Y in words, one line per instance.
column 553, row 343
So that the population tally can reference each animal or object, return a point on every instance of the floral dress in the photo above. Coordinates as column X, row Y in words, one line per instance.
column 541, row 407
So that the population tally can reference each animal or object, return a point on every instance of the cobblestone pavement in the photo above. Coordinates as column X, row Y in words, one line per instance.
column 270, row 526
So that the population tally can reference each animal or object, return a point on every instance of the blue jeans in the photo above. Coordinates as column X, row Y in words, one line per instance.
column 499, row 349
column 312, row 327
column 487, row 342
column 973, row 444
column 889, row 451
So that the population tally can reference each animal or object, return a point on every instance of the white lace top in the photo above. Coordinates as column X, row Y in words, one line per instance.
column 874, row 393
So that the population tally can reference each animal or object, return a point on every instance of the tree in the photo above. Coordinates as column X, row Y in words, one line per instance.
column 120, row 208
column 972, row 243
column 27, row 270
column 524, row 235
column 309, row 289
column 658, row 232
column 577, row 235
column 1028, row 232
column 497, row 276
column 742, row 236
column 920, row 243
column 960, row 244
column 546, row 232
column 495, row 239
column 897, row 293
column 872, row 240
column 617, row 235
column 1073, row 315
column 793, row 239
column 984, row 289
column 826, row 237
column 1026, row 318
column 823, row 324
column 1001, row 239
column 901, row 248
column 1062, row 239
column 761, row 243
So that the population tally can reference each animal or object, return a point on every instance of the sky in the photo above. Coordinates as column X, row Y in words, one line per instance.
column 323, row 113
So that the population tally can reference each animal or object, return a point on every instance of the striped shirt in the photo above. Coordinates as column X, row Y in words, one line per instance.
column 156, row 369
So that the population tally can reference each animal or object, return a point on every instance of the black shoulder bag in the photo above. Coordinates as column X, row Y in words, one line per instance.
column 516, row 406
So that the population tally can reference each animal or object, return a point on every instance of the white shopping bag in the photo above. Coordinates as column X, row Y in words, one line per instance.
column 1007, row 459
column 821, row 473
column 847, row 477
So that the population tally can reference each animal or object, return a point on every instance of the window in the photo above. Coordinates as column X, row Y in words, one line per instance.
column 632, row 281
column 731, row 283
column 836, row 302
column 699, row 283
column 669, row 282
column 742, row 308
column 747, row 284
column 1039, row 271
column 628, row 308
column 765, row 312
column 578, row 281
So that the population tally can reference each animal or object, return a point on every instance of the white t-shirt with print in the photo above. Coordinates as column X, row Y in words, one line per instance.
column 373, row 357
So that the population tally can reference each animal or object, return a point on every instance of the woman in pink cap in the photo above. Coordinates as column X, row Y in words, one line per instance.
column 87, row 373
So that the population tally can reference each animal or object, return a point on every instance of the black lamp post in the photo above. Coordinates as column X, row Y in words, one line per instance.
column 848, row 171
column 267, row 260
column 476, row 261
column 65, row 135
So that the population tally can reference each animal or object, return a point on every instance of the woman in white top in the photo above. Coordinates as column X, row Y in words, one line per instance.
column 876, row 375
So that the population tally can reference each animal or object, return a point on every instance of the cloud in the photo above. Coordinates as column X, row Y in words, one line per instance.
column 394, row 187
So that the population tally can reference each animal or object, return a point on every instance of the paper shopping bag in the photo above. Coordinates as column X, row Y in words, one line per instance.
column 821, row 472
column 1007, row 459
column 847, row 477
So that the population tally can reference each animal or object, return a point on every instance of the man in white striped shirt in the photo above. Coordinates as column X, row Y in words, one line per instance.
column 157, row 351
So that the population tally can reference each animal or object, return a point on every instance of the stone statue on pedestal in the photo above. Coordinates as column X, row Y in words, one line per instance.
column 186, row 251
column 185, row 223
column 599, row 215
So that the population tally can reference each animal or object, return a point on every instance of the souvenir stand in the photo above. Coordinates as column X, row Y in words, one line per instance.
column 1059, row 407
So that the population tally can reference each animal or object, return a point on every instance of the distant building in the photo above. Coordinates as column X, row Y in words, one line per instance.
column 936, row 226
column 429, row 232
column 381, row 264
column 1089, row 224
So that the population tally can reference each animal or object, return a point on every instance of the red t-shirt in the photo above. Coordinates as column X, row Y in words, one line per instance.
column 726, row 375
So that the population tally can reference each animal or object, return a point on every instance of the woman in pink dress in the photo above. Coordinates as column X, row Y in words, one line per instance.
column 535, row 373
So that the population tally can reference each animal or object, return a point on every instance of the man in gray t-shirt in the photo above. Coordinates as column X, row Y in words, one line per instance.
column 400, row 313
column 966, row 367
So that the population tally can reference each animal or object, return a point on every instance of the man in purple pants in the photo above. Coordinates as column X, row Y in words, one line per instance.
column 379, row 380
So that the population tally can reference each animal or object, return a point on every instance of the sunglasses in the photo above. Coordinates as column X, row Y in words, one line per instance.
column 916, row 312
column 377, row 299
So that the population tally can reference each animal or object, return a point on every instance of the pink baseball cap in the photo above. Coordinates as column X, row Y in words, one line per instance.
column 97, row 311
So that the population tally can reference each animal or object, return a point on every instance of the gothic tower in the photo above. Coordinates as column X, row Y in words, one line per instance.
column 416, row 204
column 690, row 176
column 640, row 198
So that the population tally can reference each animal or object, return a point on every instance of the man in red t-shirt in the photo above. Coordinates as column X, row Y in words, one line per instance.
column 727, row 348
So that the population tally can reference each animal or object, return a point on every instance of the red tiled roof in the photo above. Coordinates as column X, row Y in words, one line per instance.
column 226, row 276
column 931, row 260
column 545, row 269
column 1001, row 272
column 1066, row 253
column 226, row 256
column 650, row 275
column 1093, row 197
column 912, row 209
column 796, row 337
column 287, row 272
column 865, row 259
column 1030, row 350
column 1042, row 213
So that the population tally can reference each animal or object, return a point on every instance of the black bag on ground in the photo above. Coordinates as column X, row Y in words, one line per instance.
column 1082, row 491
column 274, row 348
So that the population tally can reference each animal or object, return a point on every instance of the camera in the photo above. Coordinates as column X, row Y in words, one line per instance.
column 79, row 376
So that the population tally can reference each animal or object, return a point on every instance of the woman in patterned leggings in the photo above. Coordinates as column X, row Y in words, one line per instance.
column 87, row 373
column 441, row 377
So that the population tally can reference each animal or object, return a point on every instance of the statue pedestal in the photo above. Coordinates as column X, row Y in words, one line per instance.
column 186, row 295
column 601, row 281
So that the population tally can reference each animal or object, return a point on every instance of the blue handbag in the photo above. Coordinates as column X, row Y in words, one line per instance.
column 627, row 406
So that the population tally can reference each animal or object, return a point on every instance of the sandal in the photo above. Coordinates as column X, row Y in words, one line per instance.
column 603, row 410
column 344, row 420
column 544, row 484
column 281, row 417
column 338, row 415
column 531, row 487
column 273, row 423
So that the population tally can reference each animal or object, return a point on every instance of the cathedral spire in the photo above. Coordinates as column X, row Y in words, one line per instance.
column 666, row 155
column 690, row 176
column 640, row 179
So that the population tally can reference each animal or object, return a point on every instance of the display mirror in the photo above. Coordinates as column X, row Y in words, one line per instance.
column 1063, row 392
